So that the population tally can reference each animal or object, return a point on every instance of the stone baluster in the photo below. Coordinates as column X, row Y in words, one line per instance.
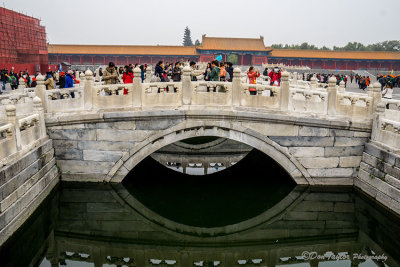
column 236, row 87
column 37, row 106
column 313, row 83
column 332, row 93
column 12, row 118
column 341, row 87
column 97, row 76
column 148, row 74
column 374, row 91
column 137, row 88
column 77, row 75
column 294, row 77
column 89, row 91
column 40, row 90
column 379, row 113
column 82, row 79
column 186, row 86
column 21, row 83
column 284, row 94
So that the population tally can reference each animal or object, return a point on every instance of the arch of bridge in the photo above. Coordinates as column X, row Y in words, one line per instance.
column 189, row 129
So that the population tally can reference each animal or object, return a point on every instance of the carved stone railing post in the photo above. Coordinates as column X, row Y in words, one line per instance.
column 37, row 105
column 40, row 89
column 137, row 88
column 374, row 91
column 12, row 118
column 284, row 94
column 21, row 83
column 294, row 77
column 89, row 91
column 82, row 79
column 236, row 87
column 148, row 74
column 332, row 94
column 313, row 83
column 341, row 87
column 379, row 113
column 186, row 86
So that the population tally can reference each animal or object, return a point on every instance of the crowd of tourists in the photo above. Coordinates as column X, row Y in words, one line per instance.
column 390, row 81
column 214, row 71
column 52, row 79
column 362, row 81
column 13, row 78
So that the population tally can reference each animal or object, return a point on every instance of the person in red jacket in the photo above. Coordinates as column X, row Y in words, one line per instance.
column 275, row 76
column 253, row 75
column 127, row 77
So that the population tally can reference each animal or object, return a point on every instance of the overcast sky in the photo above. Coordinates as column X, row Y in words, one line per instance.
column 152, row 22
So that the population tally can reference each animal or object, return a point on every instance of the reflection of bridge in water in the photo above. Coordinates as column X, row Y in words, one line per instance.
column 202, row 159
column 96, row 224
column 320, row 134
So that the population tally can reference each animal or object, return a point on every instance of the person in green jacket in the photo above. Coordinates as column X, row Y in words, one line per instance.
column 215, row 70
column 214, row 74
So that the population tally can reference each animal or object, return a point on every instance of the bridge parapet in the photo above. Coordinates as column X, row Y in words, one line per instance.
column 386, row 126
column 21, row 133
column 293, row 96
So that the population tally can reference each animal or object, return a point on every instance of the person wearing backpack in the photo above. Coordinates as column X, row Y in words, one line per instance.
column 13, row 82
column 222, row 72
column 229, row 71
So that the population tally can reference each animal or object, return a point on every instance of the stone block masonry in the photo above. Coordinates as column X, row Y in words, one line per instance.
column 379, row 175
column 24, row 184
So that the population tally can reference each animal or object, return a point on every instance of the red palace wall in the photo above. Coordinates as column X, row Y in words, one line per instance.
column 22, row 42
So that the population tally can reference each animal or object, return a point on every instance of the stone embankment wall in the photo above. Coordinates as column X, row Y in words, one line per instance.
column 379, row 175
column 24, row 184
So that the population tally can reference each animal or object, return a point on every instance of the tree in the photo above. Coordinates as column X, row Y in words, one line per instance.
column 393, row 45
column 187, row 38
column 197, row 42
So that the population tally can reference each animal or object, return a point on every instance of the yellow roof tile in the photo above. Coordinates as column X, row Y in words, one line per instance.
column 232, row 44
column 122, row 50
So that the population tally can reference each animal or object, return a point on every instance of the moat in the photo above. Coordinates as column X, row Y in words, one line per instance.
column 249, row 214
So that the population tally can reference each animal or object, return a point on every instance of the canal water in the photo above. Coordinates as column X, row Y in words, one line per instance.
column 250, row 214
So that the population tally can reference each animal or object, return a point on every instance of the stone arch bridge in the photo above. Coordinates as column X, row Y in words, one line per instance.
column 106, row 148
column 319, row 133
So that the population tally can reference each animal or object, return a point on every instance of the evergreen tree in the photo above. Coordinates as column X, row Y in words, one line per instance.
column 187, row 38
column 197, row 42
column 392, row 45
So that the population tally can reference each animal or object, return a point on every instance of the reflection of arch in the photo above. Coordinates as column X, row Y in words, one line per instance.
column 177, row 229
column 200, row 146
column 210, row 128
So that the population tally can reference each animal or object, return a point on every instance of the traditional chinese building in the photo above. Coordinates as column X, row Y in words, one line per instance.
column 241, row 51
column 342, row 60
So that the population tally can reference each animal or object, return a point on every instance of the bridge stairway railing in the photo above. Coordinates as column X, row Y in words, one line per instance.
column 386, row 125
column 20, row 133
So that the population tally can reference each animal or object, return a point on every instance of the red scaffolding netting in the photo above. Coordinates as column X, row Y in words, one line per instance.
column 22, row 40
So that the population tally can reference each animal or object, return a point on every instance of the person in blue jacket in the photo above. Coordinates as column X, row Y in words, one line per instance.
column 69, row 82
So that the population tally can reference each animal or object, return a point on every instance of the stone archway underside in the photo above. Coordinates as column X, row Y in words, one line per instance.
column 190, row 129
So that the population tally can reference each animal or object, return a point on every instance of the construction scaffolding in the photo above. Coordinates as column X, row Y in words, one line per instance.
column 22, row 40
